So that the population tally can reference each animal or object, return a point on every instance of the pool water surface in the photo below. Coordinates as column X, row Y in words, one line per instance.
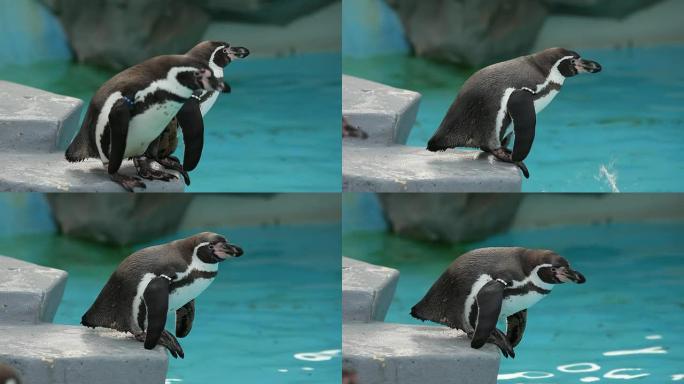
column 277, row 131
column 606, row 132
column 271, row 316
column 627, row 315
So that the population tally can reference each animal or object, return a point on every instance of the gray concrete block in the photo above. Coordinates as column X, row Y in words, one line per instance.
column 386, row 113
column 29, row 293
column 367, row 290
column 411, row 169
column 33, row 120
column 50, row 172
column 65, row 354
column 382, row 353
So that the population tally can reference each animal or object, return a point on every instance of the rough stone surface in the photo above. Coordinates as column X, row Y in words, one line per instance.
column 118, row 34
column 599, row 8
column 64, row 354
column 33, row 120
column 262, row 11
column 412, row 169
column 367, row 290
column 446, row 217
column 471, row 32
column 386, row 113
column 29, row 293
column 382, row 353
column 116, row 219
column 50, row 172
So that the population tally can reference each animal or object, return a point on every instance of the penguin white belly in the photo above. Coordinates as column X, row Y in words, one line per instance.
column 147, row 126
column 182, row 295
column 516, row 303
column 542, row 102
column 206, row 105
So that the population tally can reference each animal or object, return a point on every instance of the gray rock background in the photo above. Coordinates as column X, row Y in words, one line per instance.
column 119, row 33
column 477, row 33
column 452, row 218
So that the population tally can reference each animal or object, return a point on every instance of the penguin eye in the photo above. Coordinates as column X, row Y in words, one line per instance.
column 225, row 50
column 198, row 74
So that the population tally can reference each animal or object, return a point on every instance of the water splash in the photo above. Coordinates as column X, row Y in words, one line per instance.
column 589, row 379
column 643, row 351
column 654, row 337
column 524, row 375
column 610, row 174
column 318, row 356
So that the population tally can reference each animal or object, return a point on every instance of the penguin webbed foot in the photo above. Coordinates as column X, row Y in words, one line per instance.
column 506, row 155
column 127, row 182
column 173, row 163
column 499, row 339
column 146, row 169
column 168, row 341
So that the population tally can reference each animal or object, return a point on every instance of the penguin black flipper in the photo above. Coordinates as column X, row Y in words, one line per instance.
column 515, row 327
column 185, row 315
column 119, row 117
column 488, row 300
column 521, row 109
column 190, row 120
column 156, row 298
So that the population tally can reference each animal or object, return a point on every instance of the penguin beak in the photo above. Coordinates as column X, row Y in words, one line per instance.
column 567, row 275
column 225, row 250
column 584, row 66
column 238, row 52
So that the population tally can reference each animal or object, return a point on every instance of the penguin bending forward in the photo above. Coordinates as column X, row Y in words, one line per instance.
column 512, row 91
column 485, row 285
column 131, row 109
column 217, row 55
column 158, row 280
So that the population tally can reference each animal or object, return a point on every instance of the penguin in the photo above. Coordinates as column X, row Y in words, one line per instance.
column 217, row 55
column 485, row 285
column 8, row 375
column 132, row 108
column 512, row 91
column 156, row 281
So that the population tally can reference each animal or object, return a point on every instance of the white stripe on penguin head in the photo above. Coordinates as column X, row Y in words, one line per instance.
column 216, row 69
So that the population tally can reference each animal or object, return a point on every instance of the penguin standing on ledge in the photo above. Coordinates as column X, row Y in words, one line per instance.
column 158, row 280
column 131, row 109
column 217, row 55
column 485, row 285
column 512, row 91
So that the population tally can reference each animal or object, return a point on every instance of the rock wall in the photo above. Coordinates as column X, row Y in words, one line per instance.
column 452, row 218
column 120, row 33
column 477, row 33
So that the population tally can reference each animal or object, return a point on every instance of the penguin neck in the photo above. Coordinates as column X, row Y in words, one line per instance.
column 554, row 76
column 216, row 69
column 534, row 278
column 198, row 265
column 168, row 84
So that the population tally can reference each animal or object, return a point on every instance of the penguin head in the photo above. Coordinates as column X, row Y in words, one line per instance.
column 201, row 78
column 213, row 248
column 569, row 62
column 554, row 269
column 218, row 53
column 8, row 375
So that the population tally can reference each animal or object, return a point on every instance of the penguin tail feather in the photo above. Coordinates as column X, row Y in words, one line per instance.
column 79, row 149
column 435, row 144
column 414, row 313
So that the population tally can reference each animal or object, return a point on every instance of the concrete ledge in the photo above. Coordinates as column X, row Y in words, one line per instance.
column 33, row 120
column 386, row 113
column 50, row 172
column 29, row 293
column 411, row 169
column 61, row 354
column 409, row 354
column 367, row 290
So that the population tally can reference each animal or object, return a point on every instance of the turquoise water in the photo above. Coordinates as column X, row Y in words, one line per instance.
column 278, row 130
column 612, row 131
column 633, row 298
column 281, row 299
